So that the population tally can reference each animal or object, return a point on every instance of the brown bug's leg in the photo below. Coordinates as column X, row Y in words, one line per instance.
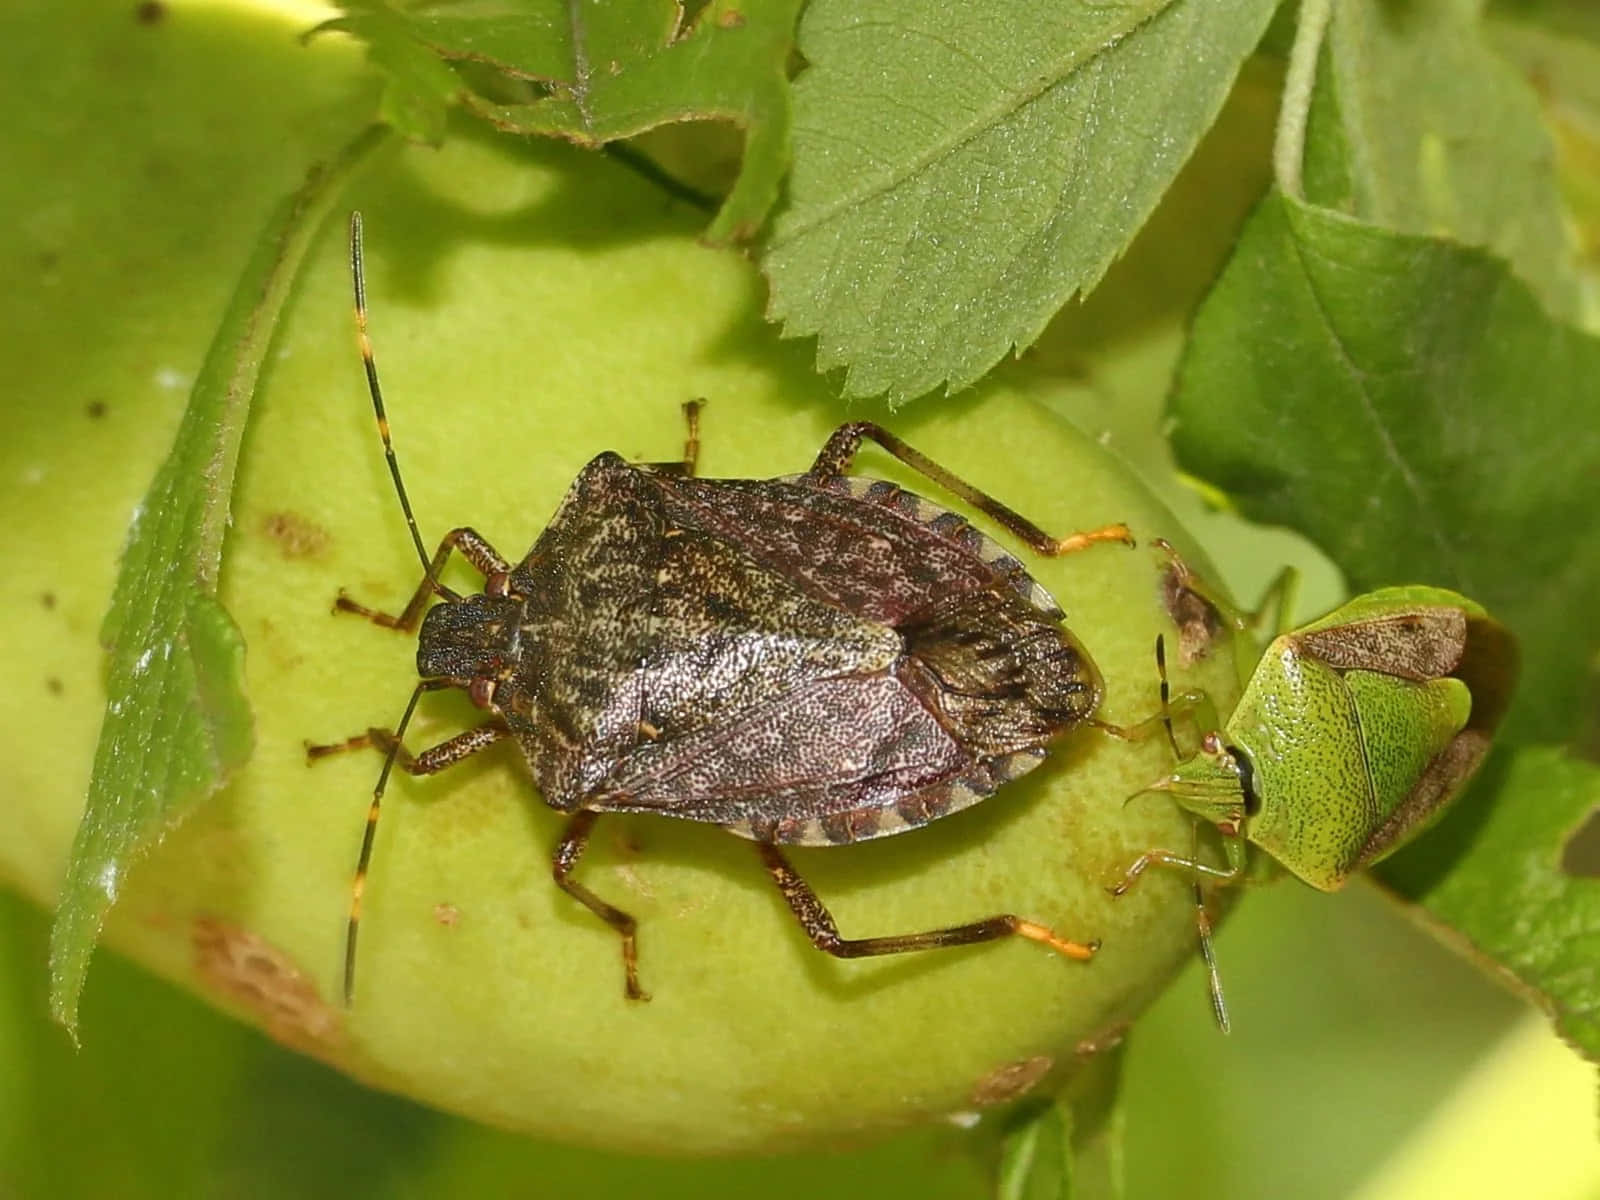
column 691, row 444
column 431, row 760
column 473, row 548
column 840, row 450
column 566, row 857
column 818, row 923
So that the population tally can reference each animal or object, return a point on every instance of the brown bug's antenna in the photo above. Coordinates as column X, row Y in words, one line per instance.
column 371, row 366
column 359, row 883
column 1219, row 1006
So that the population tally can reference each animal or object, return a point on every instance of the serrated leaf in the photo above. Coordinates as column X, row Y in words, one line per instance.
column 177, row 721
column 1408, row 405
column 1434, row 134
column 418, row 89
column 1505, row 889
column 614, row 70
column 959, row 177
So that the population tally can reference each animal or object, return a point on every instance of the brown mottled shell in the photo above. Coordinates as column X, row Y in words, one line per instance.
column 803, row 660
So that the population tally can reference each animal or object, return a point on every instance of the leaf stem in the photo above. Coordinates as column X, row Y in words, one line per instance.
column 1289, row 144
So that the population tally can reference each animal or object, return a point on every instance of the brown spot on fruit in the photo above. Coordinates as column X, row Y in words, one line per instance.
column 1108, row 1038
column 446, row 914
column 296, row 536
column 1012, row 1081
column 151, row 12
column 253, row 972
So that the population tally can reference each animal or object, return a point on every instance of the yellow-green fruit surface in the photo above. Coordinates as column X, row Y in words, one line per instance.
column 530, row 308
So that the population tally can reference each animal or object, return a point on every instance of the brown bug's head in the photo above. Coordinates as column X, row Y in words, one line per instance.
column 472, row 641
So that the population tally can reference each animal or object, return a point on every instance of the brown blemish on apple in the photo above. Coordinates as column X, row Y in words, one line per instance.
column 1012, row 1081
column 296, row 536
column 254, row 973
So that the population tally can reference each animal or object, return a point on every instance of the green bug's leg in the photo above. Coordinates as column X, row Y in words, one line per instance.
column 1224, row 876
column 1208, row 953
column 1285, row 589
column 1190, row 700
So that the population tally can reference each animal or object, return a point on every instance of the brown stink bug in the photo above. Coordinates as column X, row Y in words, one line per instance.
column 812, row 660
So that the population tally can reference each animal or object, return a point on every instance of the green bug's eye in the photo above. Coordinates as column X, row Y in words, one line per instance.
column 1247, row 783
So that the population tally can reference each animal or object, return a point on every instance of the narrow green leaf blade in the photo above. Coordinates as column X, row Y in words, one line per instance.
column 1036, row 1156
column 959, row 177
column 1435, row 134
column 1068, row 1147
column 177, row 721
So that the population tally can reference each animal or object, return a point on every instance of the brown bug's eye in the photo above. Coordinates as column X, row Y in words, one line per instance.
column 497, row 583
column 481, row 692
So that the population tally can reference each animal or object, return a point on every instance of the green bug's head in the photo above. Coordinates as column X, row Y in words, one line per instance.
column 1215, row 785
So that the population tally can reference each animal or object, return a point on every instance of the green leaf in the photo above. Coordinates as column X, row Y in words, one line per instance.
column 1419, row 126
column 418, row 89
column 1494, row 872
column 1408, row 405
column 177, row 721
column 959, row 177
column 614, row 70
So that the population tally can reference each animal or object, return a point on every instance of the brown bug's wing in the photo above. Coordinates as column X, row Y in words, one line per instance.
column 726, row 635
column 643, row 628
column 1001, row 675
column 832, row 748
column 865, row 545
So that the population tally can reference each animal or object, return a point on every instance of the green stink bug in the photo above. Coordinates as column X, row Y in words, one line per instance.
column 1353, row 734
